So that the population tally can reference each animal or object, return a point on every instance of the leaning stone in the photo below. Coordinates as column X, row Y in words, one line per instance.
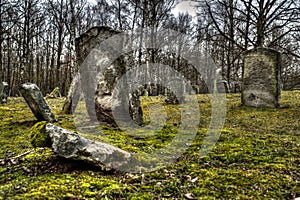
column 4, row 92
column 73, row 146
column 261, row 78
column 35, row 100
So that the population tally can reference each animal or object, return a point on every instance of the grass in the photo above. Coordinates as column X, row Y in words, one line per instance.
column 256, row 156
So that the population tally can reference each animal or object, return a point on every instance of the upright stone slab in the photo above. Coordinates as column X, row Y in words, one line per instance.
column 102, row 101
column 261, row 78
column 222, row 86
column 4, row 92
column 73, row 95
column 174, row 93
column 1, row 92
column 35, row 100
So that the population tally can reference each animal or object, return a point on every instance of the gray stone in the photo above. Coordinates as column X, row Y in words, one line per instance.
column 4, row 92
column 100, row 102
column 73, row 146
column 222, row 86
column 261, row 78
column 73, row 96
column 174, row 93
column 35, row 100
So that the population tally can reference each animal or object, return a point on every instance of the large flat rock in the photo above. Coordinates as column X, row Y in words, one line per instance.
column 71, row 145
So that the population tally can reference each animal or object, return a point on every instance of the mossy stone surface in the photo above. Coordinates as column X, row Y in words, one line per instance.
column 38, row 135
column 261, row 78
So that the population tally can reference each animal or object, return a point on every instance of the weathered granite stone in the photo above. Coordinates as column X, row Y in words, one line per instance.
column 4, row 92
column 135, row 107
column 73, row 95
column 1, row 88
column 261, row 78
column 71, row 145
column 222, row 86
column 101, row 104
column 35, row 100
column 174, row 93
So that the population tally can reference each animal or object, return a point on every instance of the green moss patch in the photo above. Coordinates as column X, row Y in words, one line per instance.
column 256, row 156
column 39, row 136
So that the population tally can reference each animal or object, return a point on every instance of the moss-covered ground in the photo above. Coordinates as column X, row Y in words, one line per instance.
column 256, row 157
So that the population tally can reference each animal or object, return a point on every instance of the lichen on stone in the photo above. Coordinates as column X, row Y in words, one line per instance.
column 38, row 135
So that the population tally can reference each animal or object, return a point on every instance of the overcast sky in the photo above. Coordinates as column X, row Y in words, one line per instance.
column 185, row 6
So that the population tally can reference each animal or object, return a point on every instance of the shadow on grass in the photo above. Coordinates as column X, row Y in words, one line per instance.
column 24, row 123
column 60, row 165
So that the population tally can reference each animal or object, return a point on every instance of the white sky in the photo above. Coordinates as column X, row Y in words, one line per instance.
column 185, row 6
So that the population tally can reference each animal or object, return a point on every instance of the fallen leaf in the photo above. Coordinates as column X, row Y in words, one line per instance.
column 195, row 179
column 189, row 196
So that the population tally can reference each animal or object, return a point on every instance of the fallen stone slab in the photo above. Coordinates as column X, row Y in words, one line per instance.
column 73, row 146
column 55, row 93
column 35, row 100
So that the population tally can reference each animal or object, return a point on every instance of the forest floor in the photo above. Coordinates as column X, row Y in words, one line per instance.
column 256, row 157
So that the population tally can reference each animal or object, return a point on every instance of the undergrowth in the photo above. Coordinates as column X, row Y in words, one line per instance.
column 256, row 156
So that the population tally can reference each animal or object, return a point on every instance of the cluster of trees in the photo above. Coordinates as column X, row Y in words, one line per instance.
column 37, row 36
column 238, row 25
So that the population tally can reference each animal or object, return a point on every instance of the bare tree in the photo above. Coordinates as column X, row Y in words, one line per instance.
column 237, row 25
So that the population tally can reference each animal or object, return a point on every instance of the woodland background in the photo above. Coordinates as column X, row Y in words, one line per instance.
column 37, row 36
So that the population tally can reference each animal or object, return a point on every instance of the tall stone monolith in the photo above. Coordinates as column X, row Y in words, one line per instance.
column 102, row 64
column 4, row 92
column 222, row 86
column 261, row 78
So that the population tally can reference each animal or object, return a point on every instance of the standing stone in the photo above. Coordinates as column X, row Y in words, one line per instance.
column 100, row 105
column 35, row 100
column 174, row 93
column 222, row 86
column 73, row 96
column 261, row 78
column 4, row 92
